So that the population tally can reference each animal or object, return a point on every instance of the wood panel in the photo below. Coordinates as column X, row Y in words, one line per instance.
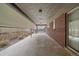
column 59, row 33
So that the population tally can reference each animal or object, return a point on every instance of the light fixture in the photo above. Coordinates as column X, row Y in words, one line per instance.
column 40, row 10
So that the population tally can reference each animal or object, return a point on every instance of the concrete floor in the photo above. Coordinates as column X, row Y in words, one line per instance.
column 39, row 44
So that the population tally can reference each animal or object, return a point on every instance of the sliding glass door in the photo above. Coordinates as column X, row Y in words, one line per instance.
column 73, row 17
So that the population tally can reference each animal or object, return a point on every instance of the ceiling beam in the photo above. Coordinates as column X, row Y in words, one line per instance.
column 15, row 6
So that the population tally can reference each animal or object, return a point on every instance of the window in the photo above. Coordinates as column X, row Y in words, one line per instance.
column 74, row 29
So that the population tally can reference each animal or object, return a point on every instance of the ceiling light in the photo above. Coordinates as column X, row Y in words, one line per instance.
column 40, row 10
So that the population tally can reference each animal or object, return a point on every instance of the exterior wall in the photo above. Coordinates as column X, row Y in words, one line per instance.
column 59, row 33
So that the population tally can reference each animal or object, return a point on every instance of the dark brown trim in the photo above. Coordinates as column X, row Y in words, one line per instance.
column 15, row 6
column 66, row 29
